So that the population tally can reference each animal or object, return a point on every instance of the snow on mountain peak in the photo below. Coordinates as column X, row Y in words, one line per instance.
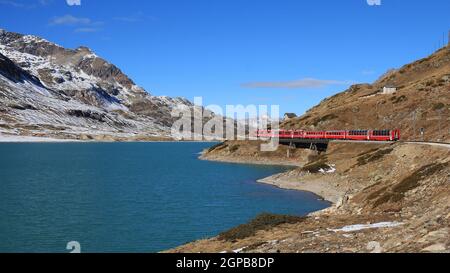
column 84, row 49
column 83, row 78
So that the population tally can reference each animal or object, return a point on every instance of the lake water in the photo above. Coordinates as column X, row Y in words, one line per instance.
column 128, row 197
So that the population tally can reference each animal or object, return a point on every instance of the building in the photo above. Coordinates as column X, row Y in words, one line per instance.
column 289, row 116
column 389, row 90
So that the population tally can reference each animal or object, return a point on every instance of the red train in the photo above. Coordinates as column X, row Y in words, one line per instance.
column 368, row 135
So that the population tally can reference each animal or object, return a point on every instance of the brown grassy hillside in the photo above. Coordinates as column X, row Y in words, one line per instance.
column 423, row 88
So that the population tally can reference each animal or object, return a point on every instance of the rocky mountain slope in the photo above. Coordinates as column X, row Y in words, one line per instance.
column 422, row 100
column 48, row 90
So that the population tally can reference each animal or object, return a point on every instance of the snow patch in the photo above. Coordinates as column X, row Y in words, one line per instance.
column 354, row 228
column 239, row 250
column 331, row 169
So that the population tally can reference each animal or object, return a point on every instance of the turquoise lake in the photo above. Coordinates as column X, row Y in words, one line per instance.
column 128, row 197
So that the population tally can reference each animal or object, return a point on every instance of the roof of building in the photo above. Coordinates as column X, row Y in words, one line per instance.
column 290, row 115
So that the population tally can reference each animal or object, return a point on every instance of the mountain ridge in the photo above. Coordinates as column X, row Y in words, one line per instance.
column 79, row 77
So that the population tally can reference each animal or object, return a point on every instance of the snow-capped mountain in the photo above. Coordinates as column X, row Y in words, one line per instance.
column 49, row 90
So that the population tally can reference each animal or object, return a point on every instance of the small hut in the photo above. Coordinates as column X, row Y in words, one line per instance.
column 389, row 90
column 289, row 116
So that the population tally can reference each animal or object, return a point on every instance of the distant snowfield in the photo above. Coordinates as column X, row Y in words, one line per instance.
column 20, row 139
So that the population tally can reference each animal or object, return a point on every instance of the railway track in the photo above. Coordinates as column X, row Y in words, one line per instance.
column 431, row 143
column 437, row 144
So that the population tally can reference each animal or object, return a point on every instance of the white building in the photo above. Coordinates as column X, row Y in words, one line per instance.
column 389, row 90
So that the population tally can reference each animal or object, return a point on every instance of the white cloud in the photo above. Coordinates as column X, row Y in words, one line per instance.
column 82, row 24
column 15, row 4
column 70, row 20
column 130, row 19
column 296, row 84
column 19, row 4
column 134, row 18
column 73, row 2
column 368, row 72
column 45, row 2
column 87, row 29
column 11, row 3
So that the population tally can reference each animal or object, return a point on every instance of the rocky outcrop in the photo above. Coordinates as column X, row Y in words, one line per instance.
column 14, row 73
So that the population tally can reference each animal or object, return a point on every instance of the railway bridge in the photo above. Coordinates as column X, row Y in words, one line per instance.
column 320, row 145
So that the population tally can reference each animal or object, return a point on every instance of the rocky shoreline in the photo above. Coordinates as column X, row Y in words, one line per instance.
column 386, row 198
column 324, row 190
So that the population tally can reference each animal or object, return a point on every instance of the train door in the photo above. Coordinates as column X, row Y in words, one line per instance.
column 396, row 134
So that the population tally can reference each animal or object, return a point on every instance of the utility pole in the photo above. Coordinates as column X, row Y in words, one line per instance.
column 443, row 39
column 440, row 124
column 355, row 111
column 448, row 39
column 414, row 114
column 378, row 114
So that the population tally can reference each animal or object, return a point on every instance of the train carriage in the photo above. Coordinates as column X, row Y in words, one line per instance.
column 355, row 135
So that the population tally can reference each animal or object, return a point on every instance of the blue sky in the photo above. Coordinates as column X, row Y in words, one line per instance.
column 290, row 53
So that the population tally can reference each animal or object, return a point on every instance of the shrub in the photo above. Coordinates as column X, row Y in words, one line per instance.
column 264, row 221
column 396, row 100
column 429, row 83
column 398, row 191
column 324, row 118
column 373, row 156
column 218, row 147
column 438, row 106
column 412, row 181
column 316, row 164
column 234, row 148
